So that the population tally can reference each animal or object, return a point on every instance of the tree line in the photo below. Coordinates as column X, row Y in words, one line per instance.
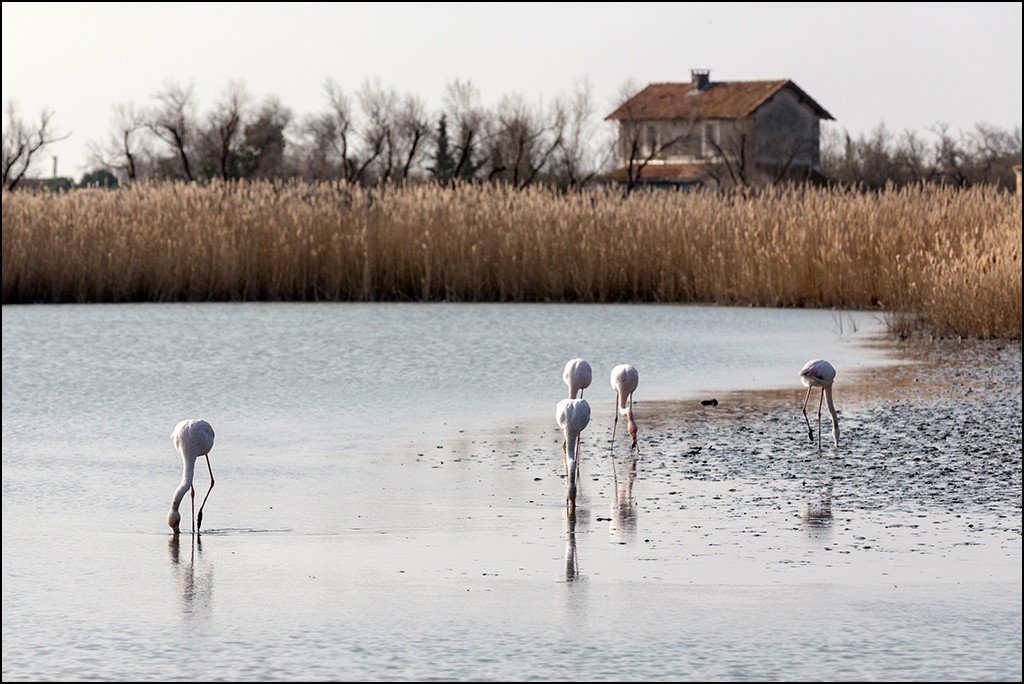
column 376, row 136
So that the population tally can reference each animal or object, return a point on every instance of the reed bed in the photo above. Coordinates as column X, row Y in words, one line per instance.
column 940, row 261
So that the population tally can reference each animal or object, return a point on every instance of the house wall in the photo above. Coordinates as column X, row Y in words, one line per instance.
column 788, row 133
column 685, row 137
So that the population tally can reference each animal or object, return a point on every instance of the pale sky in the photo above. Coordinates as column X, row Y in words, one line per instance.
column 907, row 65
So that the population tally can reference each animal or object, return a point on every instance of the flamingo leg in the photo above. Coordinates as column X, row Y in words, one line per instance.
column 822, row 399
column 631, row 420
column 578, row 460
column 810, row 432
column 565, row 462
column 615, row 424
column 199, row 518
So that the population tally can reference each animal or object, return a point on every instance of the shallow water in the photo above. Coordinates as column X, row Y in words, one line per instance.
column 389, row 503
column 337, row 377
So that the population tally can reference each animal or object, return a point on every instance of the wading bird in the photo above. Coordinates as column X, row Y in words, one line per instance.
column 192, row 439
column 624, row 381
column 577, row 375
column 820, row 373
column 572, row 415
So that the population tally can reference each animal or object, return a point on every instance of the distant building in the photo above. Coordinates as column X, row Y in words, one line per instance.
column 727, row 133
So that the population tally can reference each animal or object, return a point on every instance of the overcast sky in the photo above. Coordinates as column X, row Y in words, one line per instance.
column 907, row 65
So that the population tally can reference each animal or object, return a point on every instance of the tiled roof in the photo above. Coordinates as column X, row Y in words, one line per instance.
column 665, row 172
column 695, row 173
column 719, row 100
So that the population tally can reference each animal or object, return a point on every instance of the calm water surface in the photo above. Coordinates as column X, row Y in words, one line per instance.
column 349, row 539
column 330, row 378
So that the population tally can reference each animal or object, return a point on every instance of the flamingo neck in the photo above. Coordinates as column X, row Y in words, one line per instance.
column 570, row 449
column 631, row 425
column 188, row 472
column 832, row 412
column 571, row 461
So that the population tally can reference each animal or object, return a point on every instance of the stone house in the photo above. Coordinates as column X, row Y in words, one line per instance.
column 718, row 133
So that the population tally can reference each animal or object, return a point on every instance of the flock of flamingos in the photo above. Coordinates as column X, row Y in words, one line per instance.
column 194, row 438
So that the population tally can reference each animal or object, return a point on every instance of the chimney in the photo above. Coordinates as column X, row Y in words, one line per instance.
column 700, row 78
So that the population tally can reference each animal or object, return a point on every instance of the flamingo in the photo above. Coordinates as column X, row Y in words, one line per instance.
column 820, row 373
column 624, row 381
column 192, row 438
column 577, row 375
column 572, row 415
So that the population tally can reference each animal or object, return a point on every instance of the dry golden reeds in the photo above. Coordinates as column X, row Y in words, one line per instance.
column 943, row 261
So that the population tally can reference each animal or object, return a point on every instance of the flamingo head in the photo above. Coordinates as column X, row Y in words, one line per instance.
column 174, row 520
column 571, row 497
column 631, row 428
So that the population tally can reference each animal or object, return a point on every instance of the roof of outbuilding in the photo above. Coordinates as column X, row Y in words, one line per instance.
column 686, row 174
column 665, row 172
column 719, row 100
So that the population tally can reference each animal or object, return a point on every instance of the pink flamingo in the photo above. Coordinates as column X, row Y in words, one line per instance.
column 192, row 438
column 624, row 380
column 573, row 416
column 820, row 373
column 577, row 375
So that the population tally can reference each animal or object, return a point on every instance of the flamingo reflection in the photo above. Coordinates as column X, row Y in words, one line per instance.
column 572, row 564
column 623, row 511
column 816, row 512
column 196, row 588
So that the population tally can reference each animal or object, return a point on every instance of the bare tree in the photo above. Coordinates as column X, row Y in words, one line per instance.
column 378, row 105
column 125, row 148
column 992, row 153
column 524, row 140
column 327, row 139
column 173, row 122
column 24, row 143
column 912, row 159
column 412, row 127
column 985, row 155
column 949, row 156
column 468, row 119
column 575, row 156
column 317, row 147
column 222, row 137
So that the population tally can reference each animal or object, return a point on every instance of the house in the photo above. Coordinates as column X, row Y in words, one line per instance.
column 727, row 133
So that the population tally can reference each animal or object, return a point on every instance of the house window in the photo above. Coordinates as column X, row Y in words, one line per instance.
column 712, row 139
column 651, row 139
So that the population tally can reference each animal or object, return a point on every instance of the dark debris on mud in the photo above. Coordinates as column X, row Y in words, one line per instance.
column 942, row 431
